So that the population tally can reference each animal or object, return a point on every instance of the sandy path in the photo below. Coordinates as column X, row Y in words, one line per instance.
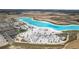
column 72, row 45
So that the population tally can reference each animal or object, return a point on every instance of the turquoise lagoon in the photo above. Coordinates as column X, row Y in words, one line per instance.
column 44, row 24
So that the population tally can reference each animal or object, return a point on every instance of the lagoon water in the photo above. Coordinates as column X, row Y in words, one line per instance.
column 45, row 24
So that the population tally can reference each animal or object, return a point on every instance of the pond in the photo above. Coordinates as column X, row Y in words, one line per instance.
column 44, row 24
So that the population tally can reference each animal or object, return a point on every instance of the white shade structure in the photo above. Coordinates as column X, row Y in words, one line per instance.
column 41, row 36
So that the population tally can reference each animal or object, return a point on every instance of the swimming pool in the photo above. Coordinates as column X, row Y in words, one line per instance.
column 45, row 24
